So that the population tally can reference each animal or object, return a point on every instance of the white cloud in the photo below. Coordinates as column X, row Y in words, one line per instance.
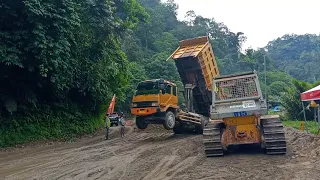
column 260, row 20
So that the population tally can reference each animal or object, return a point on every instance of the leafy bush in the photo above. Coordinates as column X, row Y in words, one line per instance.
column 291, row 100
column 64, row 122
column 60, row 61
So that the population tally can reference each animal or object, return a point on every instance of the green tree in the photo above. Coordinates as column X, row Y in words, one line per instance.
column 298, row 55
column 137, row 74
column 291, row 100
column 60, row 63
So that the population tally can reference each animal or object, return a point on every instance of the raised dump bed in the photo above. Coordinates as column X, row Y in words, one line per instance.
column 196, row 65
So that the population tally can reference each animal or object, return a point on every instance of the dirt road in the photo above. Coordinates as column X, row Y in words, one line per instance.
column 159, row 155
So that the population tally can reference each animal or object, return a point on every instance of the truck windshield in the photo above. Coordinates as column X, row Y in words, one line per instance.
column 113, row 115
column 147, row 88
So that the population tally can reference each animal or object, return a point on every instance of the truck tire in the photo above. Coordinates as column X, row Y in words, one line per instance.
column 141, row 123
column 169, row 121
column 199, row 127
column 178, row 128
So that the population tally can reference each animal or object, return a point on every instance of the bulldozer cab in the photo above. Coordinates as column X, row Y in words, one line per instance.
column 237, row 95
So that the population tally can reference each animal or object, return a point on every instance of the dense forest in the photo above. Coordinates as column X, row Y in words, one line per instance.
column 62, row 61
column 297, row 55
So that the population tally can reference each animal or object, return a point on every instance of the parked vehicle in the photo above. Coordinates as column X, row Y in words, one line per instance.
column 114, row 119
column 276, row 109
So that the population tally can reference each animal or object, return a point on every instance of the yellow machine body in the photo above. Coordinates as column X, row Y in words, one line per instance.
column 239, row 115
column 200, row 50
column 241, row 130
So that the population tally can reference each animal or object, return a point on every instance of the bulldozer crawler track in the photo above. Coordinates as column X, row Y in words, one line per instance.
column 212, row 140
column 274, row 136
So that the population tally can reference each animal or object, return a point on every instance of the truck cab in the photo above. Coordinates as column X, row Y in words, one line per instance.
column 155, row 102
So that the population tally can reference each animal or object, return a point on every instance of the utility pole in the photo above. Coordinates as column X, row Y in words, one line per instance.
column 265, row 78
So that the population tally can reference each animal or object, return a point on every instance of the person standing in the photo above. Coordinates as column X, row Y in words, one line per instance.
column 122, row 125
column 108, row 123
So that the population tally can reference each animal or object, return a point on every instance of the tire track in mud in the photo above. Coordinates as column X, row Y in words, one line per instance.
column 160, row 155
column 114, row 164
column 50, row 158
column 164, row 148
column 94, row 156
column 249, row 164
column 166, row 169
column 118, row 171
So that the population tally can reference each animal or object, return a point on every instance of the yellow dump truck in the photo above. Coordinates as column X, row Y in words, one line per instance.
column 234, row 103
column 197, row 67
column 156, row 101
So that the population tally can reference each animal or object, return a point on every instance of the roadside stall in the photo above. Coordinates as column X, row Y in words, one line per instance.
column 312, row 96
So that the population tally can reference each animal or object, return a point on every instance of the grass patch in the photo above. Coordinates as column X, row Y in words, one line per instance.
column 312, row 126
column 59, row 123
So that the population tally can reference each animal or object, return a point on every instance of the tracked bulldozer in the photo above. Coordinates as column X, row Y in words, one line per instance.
column 239, row 116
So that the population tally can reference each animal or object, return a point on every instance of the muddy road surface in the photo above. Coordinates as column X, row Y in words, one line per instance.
column 159, row 155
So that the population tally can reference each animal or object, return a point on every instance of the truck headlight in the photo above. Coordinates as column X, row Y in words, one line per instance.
column 134, row 105
column 154, row 104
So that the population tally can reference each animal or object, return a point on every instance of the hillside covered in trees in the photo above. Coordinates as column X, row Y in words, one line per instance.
column 61, row 61
column 297, row 55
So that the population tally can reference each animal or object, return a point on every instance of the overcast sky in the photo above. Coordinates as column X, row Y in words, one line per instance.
column 260, row 20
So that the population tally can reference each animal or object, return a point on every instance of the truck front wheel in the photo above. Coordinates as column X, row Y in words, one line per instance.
column 141, row 123
column 169, row 121
column 178, row 128
column 199, row 127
